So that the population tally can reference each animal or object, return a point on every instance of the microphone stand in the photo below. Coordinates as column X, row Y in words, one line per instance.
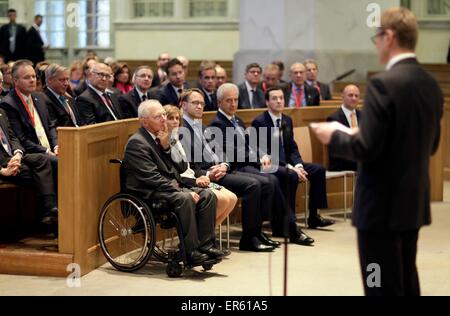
column 284, row 130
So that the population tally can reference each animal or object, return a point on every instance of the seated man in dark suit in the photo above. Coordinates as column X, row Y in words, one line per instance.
column 28, row 114
column 27, row 169
column 60, row 104
column 240, row 151
column 274, row 127
column 129, row 102
column 207, row 80
column 254, row 195
column 95, row 105
column 160, row 76
column 298, row 93
column 170, row 93
column 349, row 116
column 151, row 173
column 271, row 77
column 88, row 63
column 250, row 95
column 312, row 73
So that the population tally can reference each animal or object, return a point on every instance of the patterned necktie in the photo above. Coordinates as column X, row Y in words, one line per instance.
column 353, row 120
column 68, row 109
column 108, row 104
column 5, row 142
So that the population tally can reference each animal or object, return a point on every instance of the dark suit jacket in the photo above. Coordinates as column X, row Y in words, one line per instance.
column 399, row 131
column 210, row 105
column 244, row 98
column 21, row 39
column 12, row 139
column 324, row 91
column 291, row 152
column 129, row 103
column 92, row 110
column 35, row 50
column 80, row 88
column 448, row 55
column 148, row 169
column 167, row 95
column 58, row 114
column 232, row 147
column 335, row 163
column 311, row 94
column 22, row 125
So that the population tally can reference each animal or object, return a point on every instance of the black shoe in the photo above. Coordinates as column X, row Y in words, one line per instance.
column 226, row 252
column 301, row 239
column 267, row 241
column 197, row 257
column 50, row 217
column 254, row 244
column 213, row 253
column 319, row 221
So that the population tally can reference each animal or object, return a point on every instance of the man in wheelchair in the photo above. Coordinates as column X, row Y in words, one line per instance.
column 150, row 173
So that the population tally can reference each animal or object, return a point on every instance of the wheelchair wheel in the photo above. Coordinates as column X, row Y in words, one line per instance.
column 126, row 232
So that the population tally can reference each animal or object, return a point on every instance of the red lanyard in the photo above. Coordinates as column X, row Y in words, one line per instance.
column 30, row 111
column 298, row 96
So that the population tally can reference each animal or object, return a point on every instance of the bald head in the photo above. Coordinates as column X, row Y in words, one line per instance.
column 350, row 97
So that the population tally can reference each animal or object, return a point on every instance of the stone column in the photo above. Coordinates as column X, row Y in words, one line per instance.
column 333, row 32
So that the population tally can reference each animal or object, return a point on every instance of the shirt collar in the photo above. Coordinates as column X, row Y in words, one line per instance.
column 189, row 120
column 396, row 59
column 226, row 115
column 100, row 93
column 275, row 118
column 140, row 93
column 54, row 93
column 249, row 87
column 347, row 112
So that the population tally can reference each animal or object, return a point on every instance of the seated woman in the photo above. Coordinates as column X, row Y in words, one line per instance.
column 121, row 77
column 226, row 200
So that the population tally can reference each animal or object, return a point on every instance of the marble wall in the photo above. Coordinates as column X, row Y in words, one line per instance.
column 334, row 32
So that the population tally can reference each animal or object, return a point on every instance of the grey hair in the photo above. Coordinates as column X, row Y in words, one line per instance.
column 139, row 69
column 310, row 61
column 225, row 88
column 52, row 70
column 145, row 108
column 296, row 64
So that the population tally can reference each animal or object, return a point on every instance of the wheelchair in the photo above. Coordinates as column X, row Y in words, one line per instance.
column 127, row 233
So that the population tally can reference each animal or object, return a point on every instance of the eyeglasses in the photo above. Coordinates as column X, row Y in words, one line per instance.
column 64, row 80
column 197, row 103
column 378, row 34
column 145, row 76
column 103, row 75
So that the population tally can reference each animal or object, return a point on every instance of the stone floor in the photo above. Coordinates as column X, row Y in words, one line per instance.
column 328, row 268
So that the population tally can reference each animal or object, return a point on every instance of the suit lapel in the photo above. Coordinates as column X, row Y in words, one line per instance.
column 343, row 118
column 25, row 116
